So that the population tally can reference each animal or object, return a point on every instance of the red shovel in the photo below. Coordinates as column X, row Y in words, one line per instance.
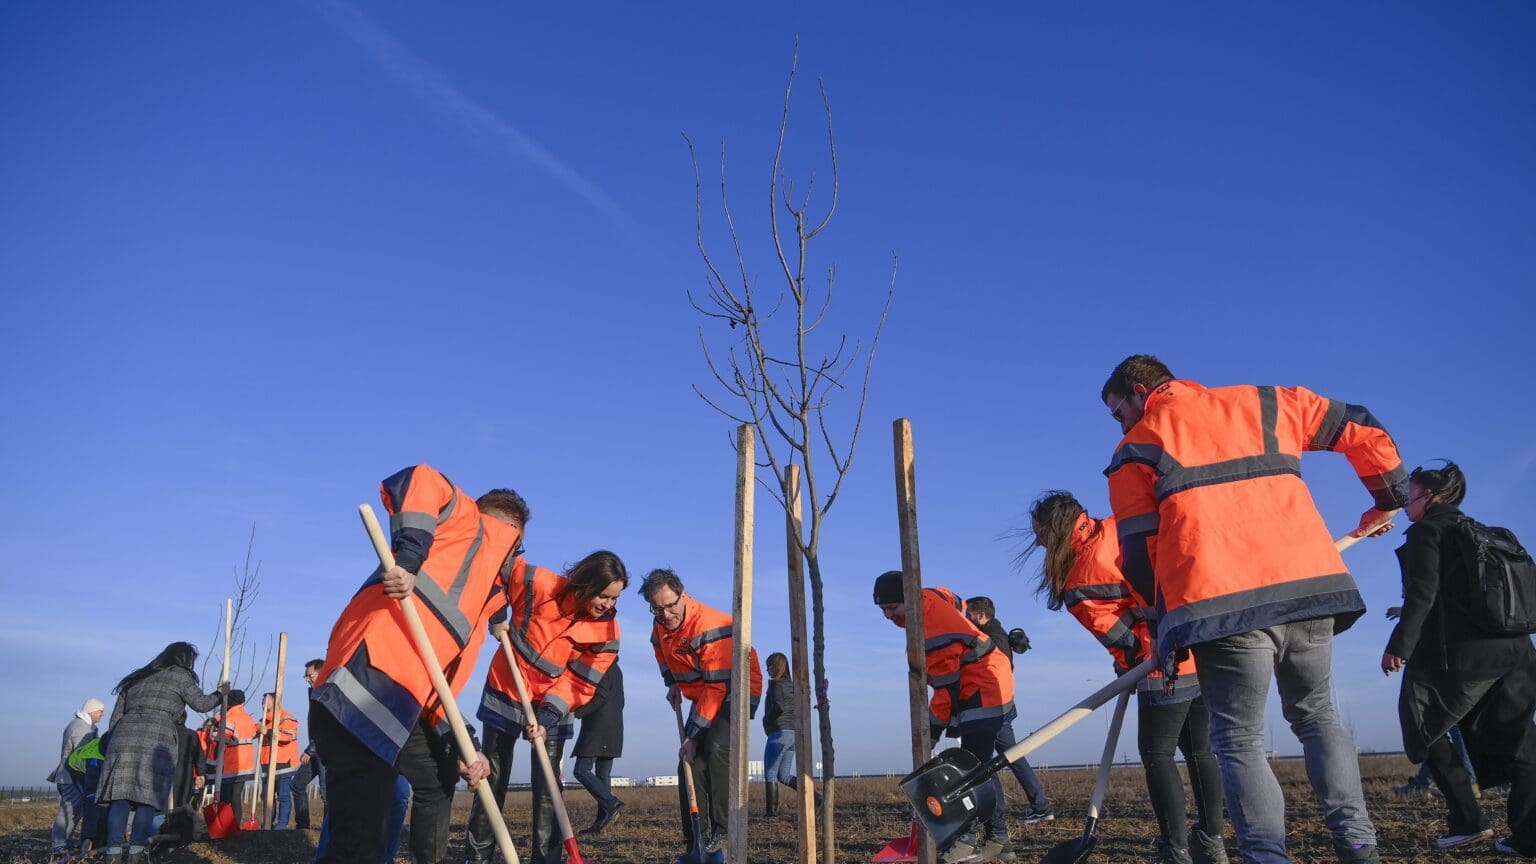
column 219, row 815
column 901, row 849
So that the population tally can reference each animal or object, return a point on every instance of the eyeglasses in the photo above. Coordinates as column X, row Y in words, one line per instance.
column 1115, row 410
column 658, row 611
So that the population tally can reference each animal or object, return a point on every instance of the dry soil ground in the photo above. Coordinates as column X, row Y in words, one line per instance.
column 870, row 813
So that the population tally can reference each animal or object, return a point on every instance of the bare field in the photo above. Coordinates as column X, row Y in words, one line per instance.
column 871, row 812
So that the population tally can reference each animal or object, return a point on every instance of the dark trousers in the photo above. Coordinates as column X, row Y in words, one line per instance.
column 498, row 746
column 711, row 780
column 593, row 773
column 1021, row 770
column 300, row 791
column 234, row 792
column 981, row 742
column 1451, row 775
column 1185, row 725
column 364, row 790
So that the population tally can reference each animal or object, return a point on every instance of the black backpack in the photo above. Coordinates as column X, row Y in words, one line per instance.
column 1503, row 596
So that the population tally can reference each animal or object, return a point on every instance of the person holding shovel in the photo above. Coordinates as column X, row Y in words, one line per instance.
column 1080, row 574
column 1210, row 508
column 972, row 697
column 374, row 714
column 564, row 631
column 694, row 648
column 239, row 730
column 287, row 735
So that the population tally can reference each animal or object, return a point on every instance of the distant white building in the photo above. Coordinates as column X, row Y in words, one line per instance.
column 661, row 780
column 755, row 770
column 618, row 782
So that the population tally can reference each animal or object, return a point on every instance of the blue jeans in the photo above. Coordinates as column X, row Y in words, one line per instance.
column 396, row 822
column 593, row 773
column 1021, row 770
column 71, row 810
column 1235, row 672
column 779, row 757
column 117, row 823
column 284, row 795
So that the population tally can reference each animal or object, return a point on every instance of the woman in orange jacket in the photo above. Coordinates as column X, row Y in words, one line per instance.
column 1080, row 573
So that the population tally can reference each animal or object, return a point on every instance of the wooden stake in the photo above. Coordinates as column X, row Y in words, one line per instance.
column 275, row 719
column 805, row 793
column 912, row 589
column 218, row 774
column 741, row 646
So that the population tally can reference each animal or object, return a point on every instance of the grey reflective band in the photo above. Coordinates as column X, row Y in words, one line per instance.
column 412, row 519
column 687, row 677
column 373, row 709
column 943, row 639
column 533, row 658
column 1141, row 523
column 696, row 719
column 585, row 672
column 972, row 714
column 1108, row 591
column 453, row 503
column 937, row 681
column 605, row 647
column 1229, row 471
column 445, row 607
column 1119, row 636
column 1269, row 414
column 504, row 709
column 709, row 636
column 1144, row 454
column 556, row 702
column 715, row 676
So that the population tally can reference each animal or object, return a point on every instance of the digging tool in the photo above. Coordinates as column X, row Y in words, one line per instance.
column 556, row 793
column 424, row 648
column 251, row 794
column 275, row 723
column 949, row 794
column 1076, row 851
column 696, row 853
column 902, row 849
column 219, row 815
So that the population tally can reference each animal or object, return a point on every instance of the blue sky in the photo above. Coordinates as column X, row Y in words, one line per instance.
column 257, row 259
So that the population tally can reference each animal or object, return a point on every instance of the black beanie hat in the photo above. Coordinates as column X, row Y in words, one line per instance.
column 888, row 588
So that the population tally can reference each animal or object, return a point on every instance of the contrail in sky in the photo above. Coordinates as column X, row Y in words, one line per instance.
column 432, row 87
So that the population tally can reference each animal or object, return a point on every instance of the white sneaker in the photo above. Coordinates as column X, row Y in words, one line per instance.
column 1451, row 841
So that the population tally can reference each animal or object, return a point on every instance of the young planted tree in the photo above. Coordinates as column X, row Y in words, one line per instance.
column 243, row 674
column 780, row 375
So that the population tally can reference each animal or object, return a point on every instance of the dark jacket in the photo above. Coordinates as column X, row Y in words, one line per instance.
column 999, row 637
column 1435, row 633
column 779, row 705
column 602, row 719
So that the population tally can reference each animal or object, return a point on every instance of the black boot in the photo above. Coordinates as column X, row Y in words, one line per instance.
column 772, row 793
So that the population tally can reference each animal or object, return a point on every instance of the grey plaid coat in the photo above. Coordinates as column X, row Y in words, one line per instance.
column 140, row 760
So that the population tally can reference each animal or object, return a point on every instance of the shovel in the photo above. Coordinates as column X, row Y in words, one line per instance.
column 902, row 849
column 251, row 795
column 219, row 815
column 556, row 794
column 696, row 853
column 1076, row 851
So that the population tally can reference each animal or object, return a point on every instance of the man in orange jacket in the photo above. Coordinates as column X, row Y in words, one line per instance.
column 287, row 756
column 1210, row 505
column 239, row 753
column 374, row 714
column 972, row 683
column 694, row 648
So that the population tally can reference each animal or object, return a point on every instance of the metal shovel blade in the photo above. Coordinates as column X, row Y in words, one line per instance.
column 1074, row 851
column 931, row 789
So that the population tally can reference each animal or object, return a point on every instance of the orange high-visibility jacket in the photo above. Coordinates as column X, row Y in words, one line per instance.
column 561, row 654
column 373, row 682
column 1208, row 498
column 239, row 745
column 697, row 658
column 287, row 743
column 1100, row 597
column 971, row 679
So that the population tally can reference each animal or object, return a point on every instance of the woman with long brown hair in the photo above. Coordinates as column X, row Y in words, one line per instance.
column 1080, row 572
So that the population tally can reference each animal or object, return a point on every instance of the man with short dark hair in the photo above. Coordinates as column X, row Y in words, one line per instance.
column 983, row 613
column 310, row 766
column 1210, row 506
column 694, row 647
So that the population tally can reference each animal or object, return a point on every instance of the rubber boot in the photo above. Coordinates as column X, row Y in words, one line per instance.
column 772, row 794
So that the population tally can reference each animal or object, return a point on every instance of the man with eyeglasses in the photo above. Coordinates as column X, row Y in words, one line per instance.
column 1212, row 514
column 694, row 647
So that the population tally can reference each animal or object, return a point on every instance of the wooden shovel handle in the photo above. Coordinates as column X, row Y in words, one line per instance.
column 557, row 796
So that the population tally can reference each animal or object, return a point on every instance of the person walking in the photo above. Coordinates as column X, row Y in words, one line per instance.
column 983, row 613
column 1081, row 575
column 80, row 729
column 140, row 764
column 972, row 693
column 601, row 741
column 779, row 724
column 564, row 631
column 373, row 712
column 1458, row 674
column 1210, row 508
column 693, row 644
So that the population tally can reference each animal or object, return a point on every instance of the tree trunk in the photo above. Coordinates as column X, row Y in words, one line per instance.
column 824, row 712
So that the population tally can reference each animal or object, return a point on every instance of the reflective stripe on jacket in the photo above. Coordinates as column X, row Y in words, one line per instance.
column 1119, row 616
column 287, row 744
column 697, row 658
column 1208, row 498
column 373, row 681
column 562, row 656
column 971, row 679
column 239, row 745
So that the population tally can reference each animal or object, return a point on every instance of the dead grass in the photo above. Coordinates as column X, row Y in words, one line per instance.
column 871, row 812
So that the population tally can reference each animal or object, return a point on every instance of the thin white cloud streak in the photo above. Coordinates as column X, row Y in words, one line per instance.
column 437, row 91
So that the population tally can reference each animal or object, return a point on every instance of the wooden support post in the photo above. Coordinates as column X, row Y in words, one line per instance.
column 275, row 721
column 741, row 643
column 912, row 589
column 800, row 666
